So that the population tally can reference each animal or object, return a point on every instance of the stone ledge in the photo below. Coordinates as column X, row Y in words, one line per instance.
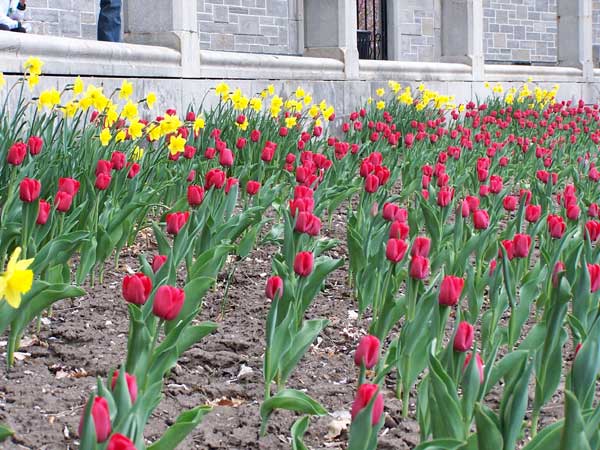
column 70, row 56
column 415, row 71
column 545, row 74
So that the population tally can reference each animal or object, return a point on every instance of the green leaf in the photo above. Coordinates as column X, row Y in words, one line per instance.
column 573, row 432
column 5, row 433
column 183, row 426
column 291, row 400
column 441, row 444
column 586, row 367
column 363, row 434
column 488, row 434
column 443, row 392
column 300, row 343
column 298, row 431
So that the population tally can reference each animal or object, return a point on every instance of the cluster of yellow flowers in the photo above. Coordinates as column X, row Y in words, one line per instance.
column 276, row 104
column 16, row 280
column 524, row 94
column 405, row 96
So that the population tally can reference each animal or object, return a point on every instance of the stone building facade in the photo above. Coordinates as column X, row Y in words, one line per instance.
column 515, row 31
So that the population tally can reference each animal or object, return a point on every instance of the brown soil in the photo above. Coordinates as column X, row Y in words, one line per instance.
column 43, row 396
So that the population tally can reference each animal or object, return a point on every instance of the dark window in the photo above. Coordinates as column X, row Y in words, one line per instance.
column 372, row 29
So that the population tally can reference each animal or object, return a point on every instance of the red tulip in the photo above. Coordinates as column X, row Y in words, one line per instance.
column 559, row 267
column 131, row 385
column 393, row 212
column 479, row 363
column 43, row 212
column 176, row 221
column 556, row 226
column 303, row 264
column 215, row 178
column 168, row 302
column 367, row 352
column 189, row 151
column 509, row 246
column 226, row 158
column 102, row 181
column 120, row 442
column 29, row 190
column 399, row 230
column 533, row 213
column 445, row 196
column 274, row 287
column 463, row 339
column 594, row 272
column 103, row 166
column 481, row 219
column 371, row 183
column 68, row 185
column 419, row 267
column 118, row 160
column 395, row 250
column 134, row 169
column 35, row 145
column 473, row 203
column 450, row 290
column 510, row 202
column 496, row 184
column 63, row 201
column 16, row 154
column 594, row 210
column 101, row 417
column 573, row 212
column 136, row 288
column 363, row 398
column 229, row 183
column 195, row 195
column 157, row 262
column 252, row 187
column 521, row 245
column 421, row 246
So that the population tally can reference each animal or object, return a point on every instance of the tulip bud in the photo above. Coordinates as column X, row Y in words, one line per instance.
column 35, row 144
column 168, row 302
column 176, row 221
column 363, row 398
column 395, row 250
column 29, row 190
column 521, row 244
column 101, row 416
column 371, row 183
column 419, row 267
column 195, row 195
column 134, row 169
column 303, row 264
column 533, row 213
column 118, row 160
column 594, row 272
column 120, row 442
column 479, row 363
column 393, row 212
column 463, row 339
column 445, row 196
column 131, row 385
column 399, row 230
column 252, row 187
column 157, row 262
column 367, row 352
column 68, row 185
column 63, row 201
column 556, row 226
column 420, row 246
column 102, row 181
column 215, row 178
column 43, row 212
column 559, row 267
column 16, row 154
column 103, row 166
column 274, row 288
column 481, row 219
column 510, row 202
column 450, row 290
column 226, row 158
column 136, row 288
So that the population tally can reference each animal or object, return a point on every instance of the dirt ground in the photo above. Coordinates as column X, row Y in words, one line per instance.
column 43, row 396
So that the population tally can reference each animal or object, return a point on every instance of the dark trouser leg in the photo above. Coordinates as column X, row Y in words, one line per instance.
column 4, row 27
column 109, row 21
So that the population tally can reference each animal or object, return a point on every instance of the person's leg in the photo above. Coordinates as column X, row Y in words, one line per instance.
column 4, row 27
column 19, row 29
column 109, row 21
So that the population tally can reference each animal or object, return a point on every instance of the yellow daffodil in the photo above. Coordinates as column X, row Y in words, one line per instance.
column 256, row 104
column 486, row 85
column 380, row 105
column 32, row 81
column 380, row 92
column 308, row 99
column 105, row 137
column 2, row 80
column 150, row 99
column 135, row 129
column 155, row 132
column 176, row 144
column 130, row 110
column 126, row 90
column 299, row 93
column 369, row 100
column 290, row 122
column 120, row 136
column 70, row 108
column 170, row 124
column 242, row 126
column 111, row 116
column 16, row 280
column 314, row 111
column 33, row 66
column 222, row 89
column 138, row 153
column 199, row 124
column 330, row 111
column 49, row 98
column 78, row 86
column 421, row 87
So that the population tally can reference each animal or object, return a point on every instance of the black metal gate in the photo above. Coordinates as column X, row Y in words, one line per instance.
column 372, row 29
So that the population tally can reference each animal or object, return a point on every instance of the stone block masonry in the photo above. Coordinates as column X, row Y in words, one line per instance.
column 70, row 18
column 256, row 26
column 520, row 30
column 420, row 30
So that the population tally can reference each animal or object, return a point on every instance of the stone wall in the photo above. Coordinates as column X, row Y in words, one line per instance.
column 420, row 30
column 596, row 21
column 257, row 26
column 520, row 30
column 71, row 18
